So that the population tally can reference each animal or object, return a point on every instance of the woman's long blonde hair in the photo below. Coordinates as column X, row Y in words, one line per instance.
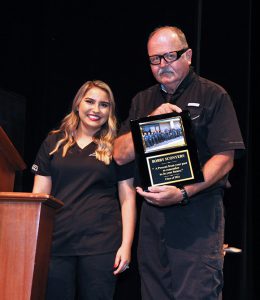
column 104, row 138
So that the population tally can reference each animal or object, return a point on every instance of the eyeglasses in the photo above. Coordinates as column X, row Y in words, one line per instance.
column 168, row 57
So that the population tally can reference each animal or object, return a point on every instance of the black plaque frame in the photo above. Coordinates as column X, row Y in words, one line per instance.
column 166, row 150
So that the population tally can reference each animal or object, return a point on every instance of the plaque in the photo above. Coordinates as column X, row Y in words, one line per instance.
column 166, row 150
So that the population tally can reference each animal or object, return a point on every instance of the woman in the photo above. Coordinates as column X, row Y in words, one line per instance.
column 92, row 236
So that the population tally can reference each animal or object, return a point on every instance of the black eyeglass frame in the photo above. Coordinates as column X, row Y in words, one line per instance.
column 179, row 54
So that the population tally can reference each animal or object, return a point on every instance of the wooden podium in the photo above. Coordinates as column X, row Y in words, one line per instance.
column 26, row 225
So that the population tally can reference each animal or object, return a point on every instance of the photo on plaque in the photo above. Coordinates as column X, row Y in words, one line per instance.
column 166, row 150
column 162, row 134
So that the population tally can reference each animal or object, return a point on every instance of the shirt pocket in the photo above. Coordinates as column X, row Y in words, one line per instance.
column 196, row 114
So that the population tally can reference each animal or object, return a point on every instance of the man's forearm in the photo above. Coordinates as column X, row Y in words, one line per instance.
column 124, row 149
column 215, row 169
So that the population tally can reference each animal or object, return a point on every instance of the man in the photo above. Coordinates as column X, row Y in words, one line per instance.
column 180, row 249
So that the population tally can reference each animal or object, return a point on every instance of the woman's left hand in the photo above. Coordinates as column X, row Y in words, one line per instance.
column 122, row 260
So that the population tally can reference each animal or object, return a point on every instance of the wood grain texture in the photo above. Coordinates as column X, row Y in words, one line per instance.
column 26, row 224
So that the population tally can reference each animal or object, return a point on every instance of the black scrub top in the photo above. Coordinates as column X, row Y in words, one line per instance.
column 90, row 221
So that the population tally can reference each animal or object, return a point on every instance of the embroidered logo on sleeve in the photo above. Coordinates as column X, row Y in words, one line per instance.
column 35, row 167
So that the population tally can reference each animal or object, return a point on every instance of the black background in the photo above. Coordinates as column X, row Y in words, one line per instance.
column 48, row 49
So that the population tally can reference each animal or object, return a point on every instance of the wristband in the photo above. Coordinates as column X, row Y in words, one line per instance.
column 185, row 198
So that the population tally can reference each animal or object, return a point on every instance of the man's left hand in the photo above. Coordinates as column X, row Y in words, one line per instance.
column 164, row 195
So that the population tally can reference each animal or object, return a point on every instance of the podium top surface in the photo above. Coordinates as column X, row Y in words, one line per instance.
column 30, row 197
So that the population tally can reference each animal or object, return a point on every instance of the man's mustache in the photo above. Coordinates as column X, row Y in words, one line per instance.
column 165, row 70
